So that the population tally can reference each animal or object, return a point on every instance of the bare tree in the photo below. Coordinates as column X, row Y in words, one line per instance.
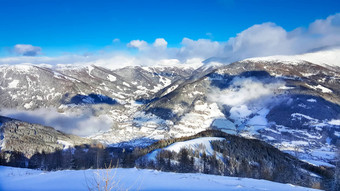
column 104, row 180
column 297, row 151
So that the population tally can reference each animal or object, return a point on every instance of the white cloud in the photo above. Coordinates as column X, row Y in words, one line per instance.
column 27, row 50
column 269, row 39
column 139, row 44
column 160, row 42
column 326, row 26
column 243, row 91
column 257, row 41
column 324, row 32
column 202, row 48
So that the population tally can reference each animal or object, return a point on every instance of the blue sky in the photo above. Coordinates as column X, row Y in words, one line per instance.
column 80, row 26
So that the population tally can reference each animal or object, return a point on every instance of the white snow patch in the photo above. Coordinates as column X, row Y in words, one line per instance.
column 300, row 116
column 322, row 88
column 201, row 144
column 66, row 144
column 285, row 88
column 311, row 100
column 89, row 70
column 126, row 84
column 111, row 78
column 28, row 105
column 334, row 122
column 13, row 84
column 194, row 144
column 241, row 111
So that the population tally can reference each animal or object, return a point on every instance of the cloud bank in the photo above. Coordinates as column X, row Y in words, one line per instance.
column 244, row 91
column 27, row 50
column 82, row 123
column 259, row 40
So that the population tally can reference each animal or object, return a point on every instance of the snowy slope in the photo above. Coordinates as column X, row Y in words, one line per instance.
column 15, row 179
column 329, row 57
column 194, row 144
column 291, row 106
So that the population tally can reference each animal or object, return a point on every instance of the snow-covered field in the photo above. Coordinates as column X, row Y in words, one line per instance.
column 20, row 179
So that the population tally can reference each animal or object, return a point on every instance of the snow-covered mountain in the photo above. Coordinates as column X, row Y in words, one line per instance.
column 292, row 105
column 291, row 102
column 329, row 57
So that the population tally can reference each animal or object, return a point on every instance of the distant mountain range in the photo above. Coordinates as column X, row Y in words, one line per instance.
column 289, row 102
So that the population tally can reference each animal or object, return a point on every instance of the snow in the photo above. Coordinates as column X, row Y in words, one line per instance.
column 285, row 88
column 317, row 163
column 323, row 153
column 14, row 179
column 201, row 144
column 322, row 88
column 329, row 57
column 13, row 84
column 258, row 121
column 28, row 105
column 337, row 134
column 241, row 111
column 2, row 140
column 194, row 144
column 89, row 70
column 225, row 125
column 197, row 120
column 299, row 116
column 334, row 122
column 294, row 144
column 126, row 84
column 172, row 88
column 111, row 78
column 65, row 144
column 311, row 100
column 24, row 67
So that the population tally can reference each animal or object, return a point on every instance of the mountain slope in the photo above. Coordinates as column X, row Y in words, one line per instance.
column 292, row 106
column 215, row 152
column 29, row 139
column 288, row 102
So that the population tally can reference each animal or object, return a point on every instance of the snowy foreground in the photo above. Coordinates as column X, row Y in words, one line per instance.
column 131, row 179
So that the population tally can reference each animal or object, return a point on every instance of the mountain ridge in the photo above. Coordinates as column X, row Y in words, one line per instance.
column 154, row 103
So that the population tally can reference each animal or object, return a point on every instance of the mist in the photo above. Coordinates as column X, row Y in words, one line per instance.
column 244, row 91
column 82, row 123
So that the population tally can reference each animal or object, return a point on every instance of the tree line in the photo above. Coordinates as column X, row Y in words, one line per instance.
column 235, row 156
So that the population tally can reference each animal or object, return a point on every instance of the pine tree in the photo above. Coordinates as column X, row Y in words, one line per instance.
column 184, row 161
column 205, row 163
